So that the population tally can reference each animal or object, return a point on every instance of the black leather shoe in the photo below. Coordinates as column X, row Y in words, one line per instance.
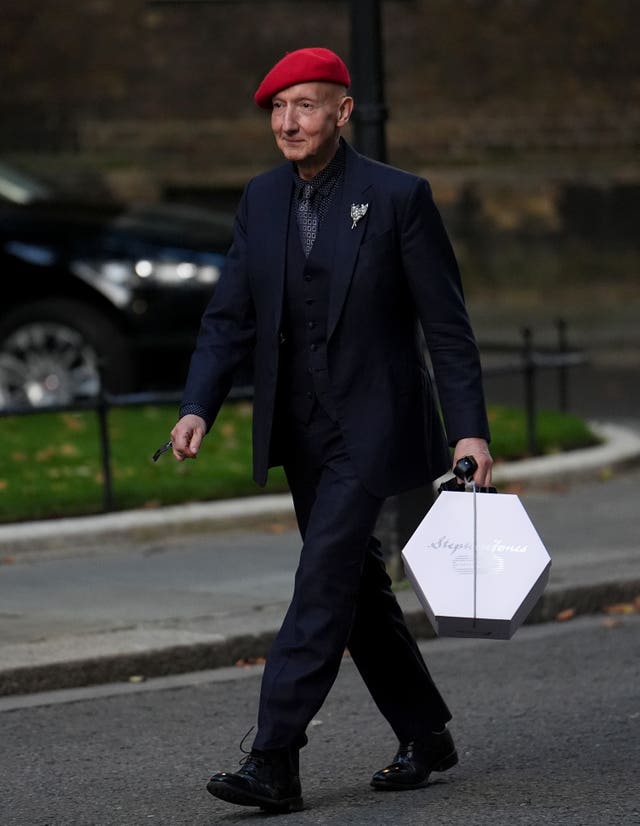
column 415, row 761
column 268, row 779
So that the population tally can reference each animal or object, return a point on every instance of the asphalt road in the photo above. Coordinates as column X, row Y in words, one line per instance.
column 546, row 726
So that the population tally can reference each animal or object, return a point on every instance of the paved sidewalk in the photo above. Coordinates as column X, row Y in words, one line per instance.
column 140, row 594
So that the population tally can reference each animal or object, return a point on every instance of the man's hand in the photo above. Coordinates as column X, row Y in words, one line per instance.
column 187, row 436
column 479, row 449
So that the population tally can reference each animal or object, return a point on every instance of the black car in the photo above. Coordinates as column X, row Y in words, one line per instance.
column 97, row 290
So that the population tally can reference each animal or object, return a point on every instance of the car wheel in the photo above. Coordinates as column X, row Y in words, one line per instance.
column 53, row 352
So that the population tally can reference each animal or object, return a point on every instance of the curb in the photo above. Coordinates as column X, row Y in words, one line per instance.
column 621, row 447
column 248, row 648
column 144, row 524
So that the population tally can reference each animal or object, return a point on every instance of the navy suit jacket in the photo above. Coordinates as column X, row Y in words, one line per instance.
column 393, row 270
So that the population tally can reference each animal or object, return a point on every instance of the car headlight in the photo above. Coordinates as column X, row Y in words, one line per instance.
column 117, row 278
column 169, row 272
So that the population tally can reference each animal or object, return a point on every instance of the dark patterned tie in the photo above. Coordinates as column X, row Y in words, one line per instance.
column 307, row 216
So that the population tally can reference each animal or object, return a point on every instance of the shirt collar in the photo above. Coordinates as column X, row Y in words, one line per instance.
column 324, row 181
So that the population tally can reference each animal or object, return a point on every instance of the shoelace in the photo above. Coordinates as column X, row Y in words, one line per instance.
column 248, row 756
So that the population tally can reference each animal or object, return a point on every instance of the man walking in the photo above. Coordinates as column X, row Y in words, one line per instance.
column 336, row 260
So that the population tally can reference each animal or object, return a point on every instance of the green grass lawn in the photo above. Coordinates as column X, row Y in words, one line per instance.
column 51, row 465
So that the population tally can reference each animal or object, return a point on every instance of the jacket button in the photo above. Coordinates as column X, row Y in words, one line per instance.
column 313, row 347
column 311, row 325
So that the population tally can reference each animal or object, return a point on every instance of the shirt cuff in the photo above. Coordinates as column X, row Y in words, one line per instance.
column 195, row 410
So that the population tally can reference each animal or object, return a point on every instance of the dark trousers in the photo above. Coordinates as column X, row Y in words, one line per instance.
column 342, row 599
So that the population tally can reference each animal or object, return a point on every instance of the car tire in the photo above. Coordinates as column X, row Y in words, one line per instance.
column 55, row 350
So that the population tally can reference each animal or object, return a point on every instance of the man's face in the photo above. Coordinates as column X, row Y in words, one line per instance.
column 306, row 120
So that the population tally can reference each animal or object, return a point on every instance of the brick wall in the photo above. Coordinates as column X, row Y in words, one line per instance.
column 158, row 98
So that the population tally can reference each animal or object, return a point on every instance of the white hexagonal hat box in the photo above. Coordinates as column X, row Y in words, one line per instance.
column 477, row 564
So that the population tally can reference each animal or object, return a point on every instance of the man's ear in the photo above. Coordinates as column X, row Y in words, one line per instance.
column 345, row 110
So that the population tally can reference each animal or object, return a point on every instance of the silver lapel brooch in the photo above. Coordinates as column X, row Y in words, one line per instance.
column 358, row 211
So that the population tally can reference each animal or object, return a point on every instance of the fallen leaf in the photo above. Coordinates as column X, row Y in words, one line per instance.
column 247, row 662
column 73, row 421
column 283, row 525
column 276, row 528
column 566, row 614
column 558, row 487
column 612, row 623
column 137, row 678
column 244, row 409
column 3, row 484
column 68, row 450
column 19, row 456
column 622, row 608
column 8, row 560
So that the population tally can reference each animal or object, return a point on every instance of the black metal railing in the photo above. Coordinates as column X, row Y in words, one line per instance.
column 522, row 358
column 529, row 360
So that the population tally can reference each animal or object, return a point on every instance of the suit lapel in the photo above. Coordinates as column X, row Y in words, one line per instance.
column 356, row 190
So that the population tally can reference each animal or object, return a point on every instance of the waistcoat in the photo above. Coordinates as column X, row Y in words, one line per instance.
column 304, row 377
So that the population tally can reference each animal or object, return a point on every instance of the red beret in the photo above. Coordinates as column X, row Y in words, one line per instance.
column 301, row 66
